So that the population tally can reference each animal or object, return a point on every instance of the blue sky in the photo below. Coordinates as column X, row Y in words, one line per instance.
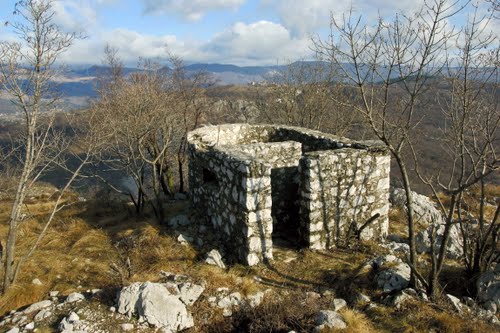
column 241, row 32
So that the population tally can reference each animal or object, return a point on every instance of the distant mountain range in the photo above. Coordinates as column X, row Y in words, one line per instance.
column 78, row 83
column 224, row 74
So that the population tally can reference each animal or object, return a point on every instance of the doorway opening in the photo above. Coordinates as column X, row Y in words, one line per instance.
column 286, row 208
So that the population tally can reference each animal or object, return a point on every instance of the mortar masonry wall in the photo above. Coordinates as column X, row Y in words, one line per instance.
column 254, row 169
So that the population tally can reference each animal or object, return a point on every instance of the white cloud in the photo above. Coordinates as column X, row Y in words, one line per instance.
column 192, row 10
column 304, row 17
column 77, row 15
column 131, row 45
column 259, row 43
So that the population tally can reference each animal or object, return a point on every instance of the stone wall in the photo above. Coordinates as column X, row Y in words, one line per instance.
column 248, row 180
column 343, row 187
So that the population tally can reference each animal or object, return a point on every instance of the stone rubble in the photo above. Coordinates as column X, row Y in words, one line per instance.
column 395, row 278
column 228, row 301
column 225, row 301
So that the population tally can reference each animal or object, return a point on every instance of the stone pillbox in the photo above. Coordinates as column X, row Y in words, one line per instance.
column 253, row 182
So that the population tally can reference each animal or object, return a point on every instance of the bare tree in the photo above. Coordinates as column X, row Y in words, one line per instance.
column 306, row 94
column 138, row 115
column 470, row 141
column 390, row 65
column 191, row 104
column 26, row 69
column 494, row 7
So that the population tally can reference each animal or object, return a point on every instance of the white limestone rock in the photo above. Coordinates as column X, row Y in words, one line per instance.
column 338, row 303
column 184, row 239
column 378, row 262
column 74, row 297
column 127, row 299
column 38, row 306
column 362, row 298
column 127, row 327
column 424, row 209
column 397, row 247
column 65, row 325
column 329, row 319
column 457, row 305
column 226, row 301
column 37, row 282
column 155, row 304
column 257, row 298
column 214, row 258
column 394, row 278
column 42, row 314
column 154, row 299
column 189, row 292
column 73, row 317
column 233, row 299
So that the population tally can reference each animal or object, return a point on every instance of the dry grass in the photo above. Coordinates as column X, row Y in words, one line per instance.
column 397, row 222
column 420, row 317
column 281, row 314
column 82, row 245
column 356, row 321
column 472, row 199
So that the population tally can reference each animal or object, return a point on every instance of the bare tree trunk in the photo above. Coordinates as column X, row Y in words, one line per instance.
column 411, row 222
column 12, row 235
column 17, row 206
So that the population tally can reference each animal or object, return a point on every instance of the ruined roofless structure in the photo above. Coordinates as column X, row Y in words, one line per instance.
column 253, row 183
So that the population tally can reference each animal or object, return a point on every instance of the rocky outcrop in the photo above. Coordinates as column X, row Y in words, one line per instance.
column 454, row 248
column 162, row 305
column 426, row 213
column 424, row 209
